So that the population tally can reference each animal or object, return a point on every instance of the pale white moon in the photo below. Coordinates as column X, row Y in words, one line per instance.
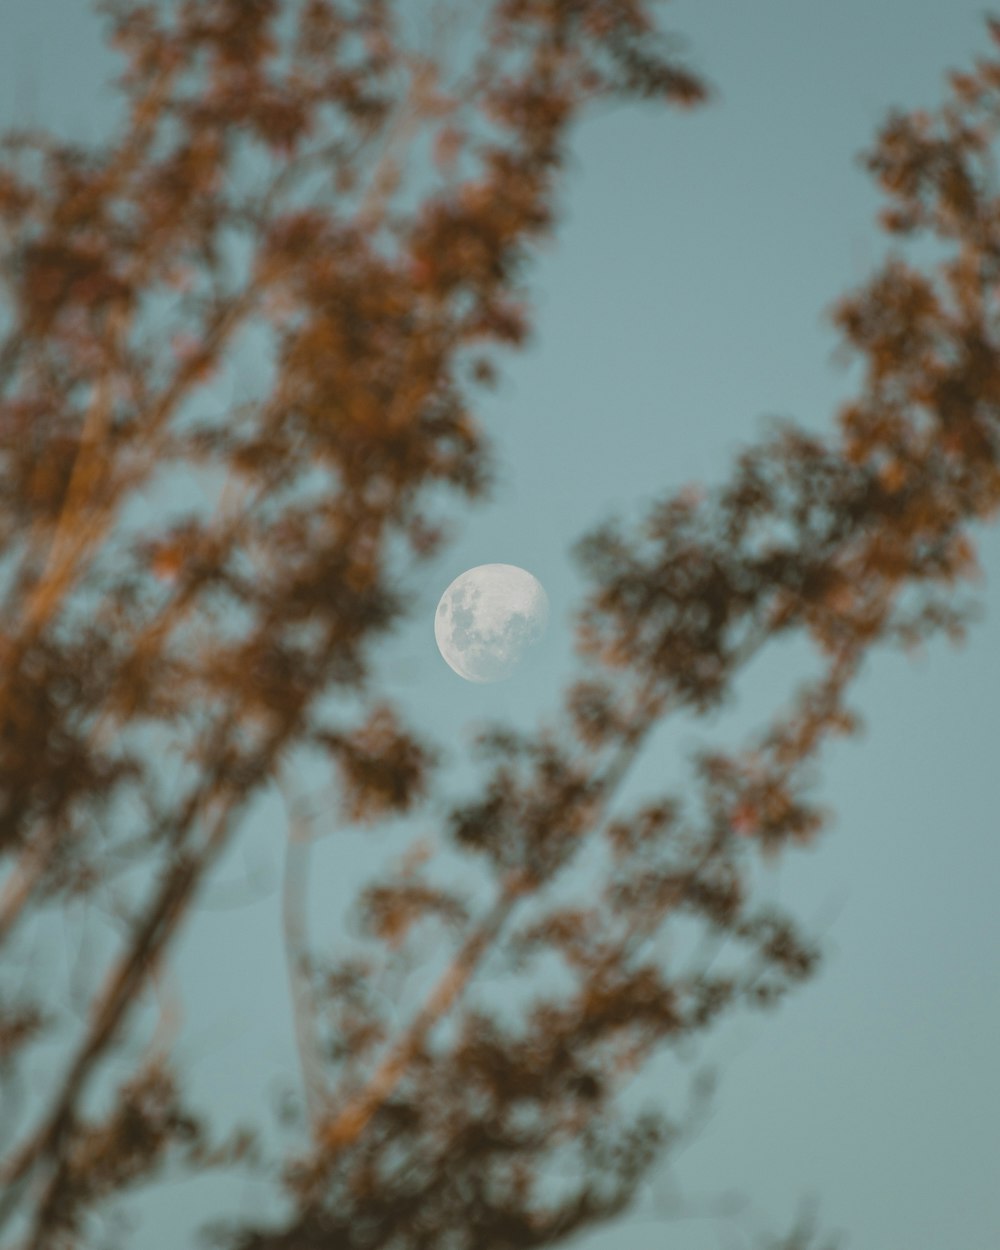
column 487, row 618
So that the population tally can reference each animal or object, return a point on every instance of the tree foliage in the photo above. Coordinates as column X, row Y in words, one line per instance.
column 263, row 180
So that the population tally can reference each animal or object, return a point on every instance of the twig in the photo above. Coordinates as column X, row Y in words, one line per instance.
column 295, row 927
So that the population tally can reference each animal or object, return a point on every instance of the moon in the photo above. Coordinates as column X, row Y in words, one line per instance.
column 487, row 618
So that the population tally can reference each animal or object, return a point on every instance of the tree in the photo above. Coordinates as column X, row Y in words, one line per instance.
column 261, row 175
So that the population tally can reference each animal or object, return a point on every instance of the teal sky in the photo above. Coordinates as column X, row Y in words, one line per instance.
column 683, row 299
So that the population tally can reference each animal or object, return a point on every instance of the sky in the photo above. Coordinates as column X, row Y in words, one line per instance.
column 684, row 299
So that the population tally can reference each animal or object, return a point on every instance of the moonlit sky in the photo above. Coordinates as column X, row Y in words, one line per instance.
column 682, row 300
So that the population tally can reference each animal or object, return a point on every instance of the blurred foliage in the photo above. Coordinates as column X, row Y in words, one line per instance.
column 226, row 637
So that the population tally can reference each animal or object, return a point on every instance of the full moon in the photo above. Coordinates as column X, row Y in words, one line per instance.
column 487, row 618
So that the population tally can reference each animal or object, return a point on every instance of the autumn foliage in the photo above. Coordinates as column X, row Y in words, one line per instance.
column 263, row 180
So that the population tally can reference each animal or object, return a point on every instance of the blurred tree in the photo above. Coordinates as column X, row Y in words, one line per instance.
column 264, row 178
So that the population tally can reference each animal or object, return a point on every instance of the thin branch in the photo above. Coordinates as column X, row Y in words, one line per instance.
column 295, row 926
column 347, row 1124
column 413, row 110
column 123, row 984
